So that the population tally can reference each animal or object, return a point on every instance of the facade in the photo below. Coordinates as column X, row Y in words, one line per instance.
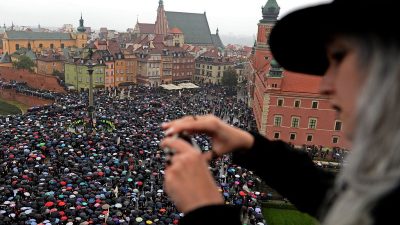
column 240, row 72
column 109, row 62
column 120, row 70
column 183, row 66
column 210, row 67
column 38, row 41
column 76, row 74
column 50, row 63
column 149, row 67
column 166, row 67
column 131, row 66
column 288, row 106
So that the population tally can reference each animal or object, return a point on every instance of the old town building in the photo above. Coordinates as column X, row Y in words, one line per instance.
column 288, row 105
column 77, row 75
column 38, row 41
column 50, row 63
column 210, row 67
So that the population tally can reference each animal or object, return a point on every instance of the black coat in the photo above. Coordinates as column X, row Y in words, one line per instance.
column 294, row 175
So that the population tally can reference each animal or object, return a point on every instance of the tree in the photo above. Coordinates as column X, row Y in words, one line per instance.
column 24, row 62
column 229, row 77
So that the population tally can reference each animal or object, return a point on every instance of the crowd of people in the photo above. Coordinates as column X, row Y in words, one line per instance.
column 52, row 172
column 23, row 88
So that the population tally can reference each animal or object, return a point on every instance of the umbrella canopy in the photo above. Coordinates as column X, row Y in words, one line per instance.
column 49, row 204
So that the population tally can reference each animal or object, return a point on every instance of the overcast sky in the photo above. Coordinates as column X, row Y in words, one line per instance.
column 232, row 17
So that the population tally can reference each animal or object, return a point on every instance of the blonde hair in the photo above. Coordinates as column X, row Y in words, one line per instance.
column 373, row 169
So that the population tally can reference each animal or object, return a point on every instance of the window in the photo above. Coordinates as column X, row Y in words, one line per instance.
column 16, row 46
column 335, row 139
column 338, row 125
column 278, row 121
column 292, row 136
column 314, row 105
column 309, row 137
column 51, row 45
column 297, row 103
column 62, row 45
column 280, row 102
column 274, row 86
column 295, row 122
column 312, row 123
column 277, row 135
column 83, row 45
column 40, row 45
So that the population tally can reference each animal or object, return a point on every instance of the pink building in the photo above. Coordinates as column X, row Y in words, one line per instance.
column 288, row 105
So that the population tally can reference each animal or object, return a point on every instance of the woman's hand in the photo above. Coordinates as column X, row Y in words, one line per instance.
column 225, row 138
column 187, row 180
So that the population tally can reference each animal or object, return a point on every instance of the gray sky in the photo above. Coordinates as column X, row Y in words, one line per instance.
column 232, row 17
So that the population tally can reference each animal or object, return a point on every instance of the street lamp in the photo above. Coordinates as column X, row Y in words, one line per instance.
column 90, row 66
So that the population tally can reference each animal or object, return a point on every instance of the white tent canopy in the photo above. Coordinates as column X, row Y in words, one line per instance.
column 170, row 87
column 188, row 85
column 179, row 86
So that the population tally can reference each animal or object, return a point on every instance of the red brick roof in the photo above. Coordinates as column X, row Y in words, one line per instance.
column 175, row 30
column 297, row 82
column 146, row 28
column 159, row 38
column 213, row 53
column 113, row 47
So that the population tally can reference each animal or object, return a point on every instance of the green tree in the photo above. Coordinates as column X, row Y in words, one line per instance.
column 229, row 77
column 24, row 62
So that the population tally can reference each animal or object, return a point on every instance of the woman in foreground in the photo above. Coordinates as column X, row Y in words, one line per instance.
column 359, row 59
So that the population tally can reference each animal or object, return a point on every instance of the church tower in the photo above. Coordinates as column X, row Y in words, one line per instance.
column 81, row 36
column 161, row 26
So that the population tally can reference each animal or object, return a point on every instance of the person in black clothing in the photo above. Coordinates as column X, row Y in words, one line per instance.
column 355, row 47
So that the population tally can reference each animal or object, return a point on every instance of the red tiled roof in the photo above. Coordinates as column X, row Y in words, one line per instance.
column 213, row 53
column 159, row 38
column 175, row 30
column 113, row 47
column 297, row 82
column 146, row 28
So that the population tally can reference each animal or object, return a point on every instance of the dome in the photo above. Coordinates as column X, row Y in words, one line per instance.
column 275, row 64
column 270, row 11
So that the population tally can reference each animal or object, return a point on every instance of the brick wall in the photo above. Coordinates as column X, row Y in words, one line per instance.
column 38, row 81
column 10, row 94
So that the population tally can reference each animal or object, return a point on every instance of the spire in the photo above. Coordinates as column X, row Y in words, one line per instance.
column 81, row 27
column 161, row 26
column 270, row 11
column 217, row 31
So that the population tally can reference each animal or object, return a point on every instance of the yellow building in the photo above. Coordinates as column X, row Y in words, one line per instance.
column 210, row 67
column 38, row 41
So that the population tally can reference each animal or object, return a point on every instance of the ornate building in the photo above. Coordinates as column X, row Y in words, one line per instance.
column 288, row 105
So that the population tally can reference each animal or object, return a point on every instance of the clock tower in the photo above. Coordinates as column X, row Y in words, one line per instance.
column 270, row 14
